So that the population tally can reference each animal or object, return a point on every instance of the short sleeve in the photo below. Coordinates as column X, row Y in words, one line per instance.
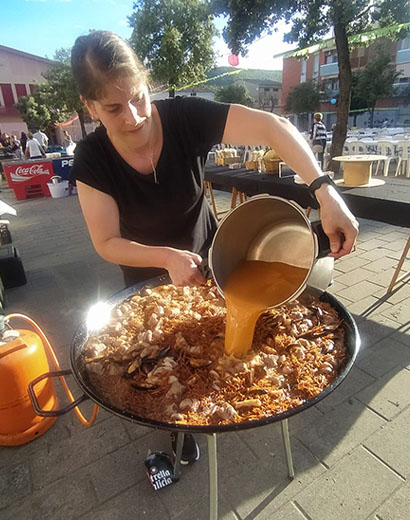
column 90, row 164
column 203, row 119
column 209, row 117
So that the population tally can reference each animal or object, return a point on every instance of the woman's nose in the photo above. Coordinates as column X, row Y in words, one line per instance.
column 131, row 116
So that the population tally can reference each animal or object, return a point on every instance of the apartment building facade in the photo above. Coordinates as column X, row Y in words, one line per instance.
column 321, row 65
column 19, row 73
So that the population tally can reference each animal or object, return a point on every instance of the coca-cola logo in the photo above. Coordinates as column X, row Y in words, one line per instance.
column 30, row 171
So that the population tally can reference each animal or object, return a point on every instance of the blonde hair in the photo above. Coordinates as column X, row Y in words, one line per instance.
column 318, row 116
column 101, row 57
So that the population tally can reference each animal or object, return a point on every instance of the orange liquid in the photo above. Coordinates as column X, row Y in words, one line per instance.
column 252, row 288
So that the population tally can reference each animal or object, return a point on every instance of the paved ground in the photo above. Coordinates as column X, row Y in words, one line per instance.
column 351, row 451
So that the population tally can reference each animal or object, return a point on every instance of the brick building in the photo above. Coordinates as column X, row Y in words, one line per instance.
column 319, row 63
column 19, row 72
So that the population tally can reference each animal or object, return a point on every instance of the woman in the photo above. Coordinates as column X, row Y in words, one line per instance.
column 140, row 175
column 318, row 136
column 34, row 150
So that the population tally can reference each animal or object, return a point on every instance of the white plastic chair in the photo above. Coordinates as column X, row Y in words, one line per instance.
column 404, row 161
column 357, row 148
column 347, row 148
column 385, row 148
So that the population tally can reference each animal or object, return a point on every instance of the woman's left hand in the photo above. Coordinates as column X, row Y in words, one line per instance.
column 338, row 222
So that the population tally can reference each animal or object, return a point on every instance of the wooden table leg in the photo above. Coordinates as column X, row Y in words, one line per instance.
column 208, row 187
column 234, row 197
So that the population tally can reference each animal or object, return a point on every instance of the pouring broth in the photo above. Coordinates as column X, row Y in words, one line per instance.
column 253, row 287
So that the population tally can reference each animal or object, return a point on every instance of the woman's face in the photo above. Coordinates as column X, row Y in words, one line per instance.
column 125, row 111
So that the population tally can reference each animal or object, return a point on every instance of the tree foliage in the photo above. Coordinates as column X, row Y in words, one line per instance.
column 65, row 93
column 311, row 21
column 55, row 100
column 375, row 81
column 235, row 93
column 174, row 39
column 358, row 103
column 303, row 98
column 38, row 110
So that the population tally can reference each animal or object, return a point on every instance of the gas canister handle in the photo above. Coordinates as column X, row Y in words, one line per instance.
column 51, row 413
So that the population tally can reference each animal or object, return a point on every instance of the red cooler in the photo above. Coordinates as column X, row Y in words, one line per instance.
column 29, row 179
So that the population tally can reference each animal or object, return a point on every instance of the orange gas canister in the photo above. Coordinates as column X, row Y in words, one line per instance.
column 22, row 359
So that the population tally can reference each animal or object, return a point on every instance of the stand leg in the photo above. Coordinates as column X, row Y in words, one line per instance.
column 213, row 477
column 396, row 278
column 286, row 444
column 178, row 455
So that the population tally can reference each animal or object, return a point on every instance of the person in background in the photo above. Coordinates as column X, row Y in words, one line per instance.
column 34, row 150
column 140, row 175
column 23, row 141
column 67, row 139
column 41, row 138
column 15, row 147
column 318, row 137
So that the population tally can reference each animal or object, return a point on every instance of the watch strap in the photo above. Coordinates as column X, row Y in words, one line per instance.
column 323, row 179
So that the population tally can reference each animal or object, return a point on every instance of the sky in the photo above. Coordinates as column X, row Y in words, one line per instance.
column 41, row 27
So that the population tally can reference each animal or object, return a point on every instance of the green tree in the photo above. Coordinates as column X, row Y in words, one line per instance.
column 38, row 110
column 358, row 104
column 235, row 93
column 312, row 21
column 303, row 98
column 174, row 40
column 65, row 93
column 55, row 100
column 376, row 80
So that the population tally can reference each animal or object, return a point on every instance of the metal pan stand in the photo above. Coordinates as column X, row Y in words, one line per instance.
column 213, row 464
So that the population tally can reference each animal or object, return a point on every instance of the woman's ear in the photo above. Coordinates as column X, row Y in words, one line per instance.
column 90, row 107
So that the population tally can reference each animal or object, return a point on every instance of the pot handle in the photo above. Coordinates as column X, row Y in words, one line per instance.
column 51, row 413
column 322, row 239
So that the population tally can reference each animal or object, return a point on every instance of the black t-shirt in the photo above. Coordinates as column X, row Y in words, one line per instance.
column 174, row 211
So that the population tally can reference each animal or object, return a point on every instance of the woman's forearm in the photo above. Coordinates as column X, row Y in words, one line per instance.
column 122, row 251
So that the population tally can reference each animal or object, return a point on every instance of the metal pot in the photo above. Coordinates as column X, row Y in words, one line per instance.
column 271, row 229
column 80, row 374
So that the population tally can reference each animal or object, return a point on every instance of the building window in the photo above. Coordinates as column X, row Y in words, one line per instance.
column 331, row 56
column 404, row 44
column 21, row 89
column 303, row 72
column 8, row 96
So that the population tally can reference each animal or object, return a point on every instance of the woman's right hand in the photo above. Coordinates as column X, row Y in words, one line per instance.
column 182, row 267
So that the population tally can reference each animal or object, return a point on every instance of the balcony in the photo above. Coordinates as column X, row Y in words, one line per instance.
column 401, row 88
column 329, row 69
column 403, row 56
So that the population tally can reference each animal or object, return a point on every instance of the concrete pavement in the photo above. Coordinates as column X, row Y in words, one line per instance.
column 351, row 451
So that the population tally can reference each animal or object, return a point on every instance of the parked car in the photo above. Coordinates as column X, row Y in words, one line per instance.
column 53, row 148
